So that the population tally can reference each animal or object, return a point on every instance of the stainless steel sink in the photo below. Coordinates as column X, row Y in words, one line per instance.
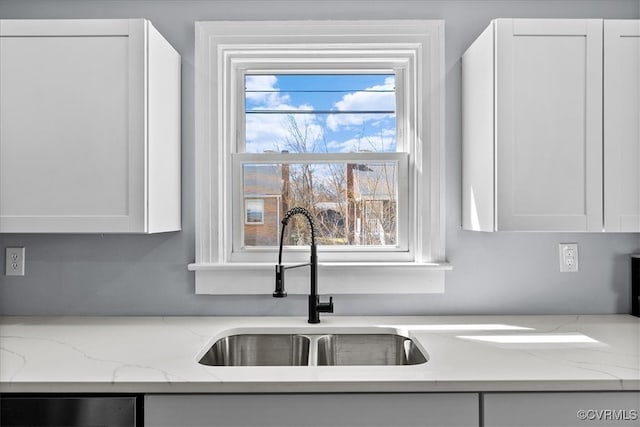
column 368, row 349
column 259, row 350
column 317, row 348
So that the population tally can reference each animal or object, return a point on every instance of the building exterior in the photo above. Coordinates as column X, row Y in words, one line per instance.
column 362, row 211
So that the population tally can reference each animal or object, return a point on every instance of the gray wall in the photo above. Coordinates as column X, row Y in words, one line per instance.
column 500, row 273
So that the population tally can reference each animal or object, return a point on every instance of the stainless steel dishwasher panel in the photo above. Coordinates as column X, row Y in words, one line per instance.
column 70, row 411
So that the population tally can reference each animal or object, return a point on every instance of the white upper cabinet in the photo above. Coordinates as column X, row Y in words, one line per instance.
column 533, row 127
column 622, row 125
column 89, row 127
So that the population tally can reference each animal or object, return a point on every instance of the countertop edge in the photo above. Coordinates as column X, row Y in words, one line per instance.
column 327, row 387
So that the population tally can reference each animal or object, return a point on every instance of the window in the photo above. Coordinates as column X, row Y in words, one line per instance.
column 321, row 114
column 328, row 142
column 343, row 118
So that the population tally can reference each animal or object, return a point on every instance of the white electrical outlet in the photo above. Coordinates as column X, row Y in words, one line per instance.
column 568, row 257
column 14, row 262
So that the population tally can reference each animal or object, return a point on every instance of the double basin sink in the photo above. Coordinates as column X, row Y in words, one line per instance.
column 285, row 348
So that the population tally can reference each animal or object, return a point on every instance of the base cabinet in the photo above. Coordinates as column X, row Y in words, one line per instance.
column 300, row 410
column 561, row 409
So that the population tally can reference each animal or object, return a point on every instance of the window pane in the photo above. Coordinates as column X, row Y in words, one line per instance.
column 317, row 113
column 254, row 211
column 353, row 204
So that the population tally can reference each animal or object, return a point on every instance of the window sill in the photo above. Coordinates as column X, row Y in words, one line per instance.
column 334, row 278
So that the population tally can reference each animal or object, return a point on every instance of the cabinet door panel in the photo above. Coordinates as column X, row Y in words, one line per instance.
column 299, row 410
column 622, row 126
column 71, row 127
column 549, row 139
column 561, row 409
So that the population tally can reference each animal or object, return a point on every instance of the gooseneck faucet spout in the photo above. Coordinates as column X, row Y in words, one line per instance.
column 315, row 306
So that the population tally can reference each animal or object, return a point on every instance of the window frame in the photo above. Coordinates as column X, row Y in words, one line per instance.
column 225, row 51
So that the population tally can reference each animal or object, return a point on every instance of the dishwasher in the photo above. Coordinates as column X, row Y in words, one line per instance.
column 71, row 410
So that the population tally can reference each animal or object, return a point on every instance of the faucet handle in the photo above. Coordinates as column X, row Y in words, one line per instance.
column 326, row 307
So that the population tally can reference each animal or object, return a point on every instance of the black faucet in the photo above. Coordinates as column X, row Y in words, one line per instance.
column 315, row 306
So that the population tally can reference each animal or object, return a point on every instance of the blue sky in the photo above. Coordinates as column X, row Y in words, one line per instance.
column 364, row 105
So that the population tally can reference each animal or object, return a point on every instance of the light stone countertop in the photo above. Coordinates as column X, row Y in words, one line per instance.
column 466, row 353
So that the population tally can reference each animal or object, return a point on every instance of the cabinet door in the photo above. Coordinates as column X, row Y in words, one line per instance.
column 561, row 409
column 300, row 410
column 549, row 124
column 72, row 126
column 622, row 125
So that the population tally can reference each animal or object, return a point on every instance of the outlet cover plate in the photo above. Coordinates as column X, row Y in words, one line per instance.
column 14, row 262
column 568, row 257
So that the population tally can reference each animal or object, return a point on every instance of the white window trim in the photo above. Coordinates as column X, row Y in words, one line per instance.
column 218, row 44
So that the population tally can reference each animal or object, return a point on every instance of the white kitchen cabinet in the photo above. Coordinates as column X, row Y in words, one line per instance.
column 532, row 126
column 622, row 125
column 561, row 409
column 89, row 127
column 300, row 410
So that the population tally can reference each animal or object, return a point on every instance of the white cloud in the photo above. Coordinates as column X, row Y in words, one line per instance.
column 272, row 131
column 269, row 95
column 260, row 82
column 265, row 132
column 384, row 141
column 363, row 101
